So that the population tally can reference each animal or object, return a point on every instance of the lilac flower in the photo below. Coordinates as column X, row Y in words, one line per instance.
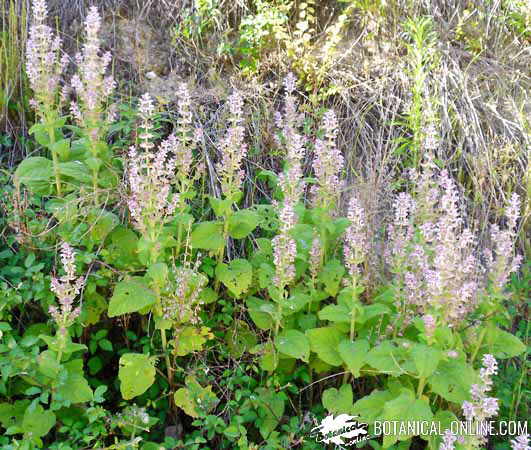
column 150, row 175
column 482, row 407
column 66, row 289
column 355, row 242
column 316, row 255
column 233, row 149
column 327, row 164
column 448, row 441
column 91, row 85
column 284, row 253
column 401, row 230
column 521, row 443
column 503, row 263
column 182, row 303
column 44, row 63
column 429, row 324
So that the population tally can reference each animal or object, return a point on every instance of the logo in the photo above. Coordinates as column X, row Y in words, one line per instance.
column 341, row 430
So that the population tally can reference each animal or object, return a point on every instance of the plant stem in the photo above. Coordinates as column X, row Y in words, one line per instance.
column 420, row 389
column 57, row 173
column 478, row 346
column 166, row 356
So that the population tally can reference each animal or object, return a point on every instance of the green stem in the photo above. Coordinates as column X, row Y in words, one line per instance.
column 420, row 389
column 55, row 159
column 166, row 356
column 478, row 346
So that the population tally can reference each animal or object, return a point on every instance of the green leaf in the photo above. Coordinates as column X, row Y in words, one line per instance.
column 354, row 354
column 261, row 312
column 501, row 344
column 331, row 276
column 191, row 339
column 338, row 402
column 158, row 274
column 405, row 408
column 102, row 223
column 426, row 359
column 130, row 296
column 293, row 343
column 208, row 235
column 61, row 148
column 136, row 374
column 390, row 358
column 48, row 364
column 242, row 223
column 452, row 380
column 76, row 170
column 36, row 173
column 335, row 313
column 12, row 414
column 370, row 407
column 325, row 342
column 270, row 409
column 37, row 421
column 75, row 389
column 237, row 276
column 221, row 207
column 195, row 400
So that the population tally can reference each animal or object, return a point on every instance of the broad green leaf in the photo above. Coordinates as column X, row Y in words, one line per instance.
column 242, row 223
column 405, row 408
column 270, row 409
column 208, row 235
column 195, row 400
column 325, row 342
column 293, row 343
column 130, row 296
column 48, row 364
column 331, row 276
column 136, row 374
column 122, row 251
column 75, row 389
column 102, row 223
column 426, row 359
column 76, row 170
column 36, row 173
column 37, row 421
column 268, row 356
column 12, row 414
column 452, row 380
column 390, row 358
column 191, row 339
column 501, row 344
column 338, row 401
column 237, row 276
column 261, row 312
column 208, row 295
column 335, row 313
column 370, row 407
column 61, row 148
column 158, row 274
column 220, row 206
column 354, row 354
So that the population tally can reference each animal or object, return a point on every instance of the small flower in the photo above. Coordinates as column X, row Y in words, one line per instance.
column 66, row 289
column 429, row 325
column 448, row 441
column 355, row 242
column 327, row 164
column 521, row 443
column 284, row 254
column 316, row 254
column 44, row 63
column 482, row 407
column 233, row 149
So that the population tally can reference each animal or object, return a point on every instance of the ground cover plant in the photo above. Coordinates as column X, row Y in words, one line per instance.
column 178, row 277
